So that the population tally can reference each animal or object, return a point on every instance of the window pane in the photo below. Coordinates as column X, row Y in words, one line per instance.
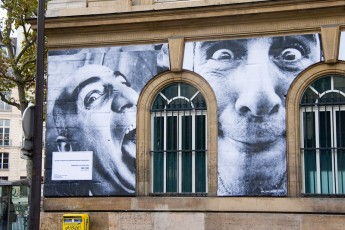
column 4, row 160
column 310, row 171
column 341, row 171
column 309, row 155
column 159, row 103
column 325, row 153
column 170, row 91
column 340, row 119
column 309, row 129
column 200, row 155
column 325, row 129
column 309, row 97
column 326, row 171
column 186, row 155
column 339, row 83
column 171, row 155
column 187, row 91
column 331, row 98
column 4, row 106
column 199, row 102
column 158, row 156
column 322, row 84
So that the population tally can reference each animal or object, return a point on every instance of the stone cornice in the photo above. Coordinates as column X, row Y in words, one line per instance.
column 195, row 23
column 294, row 7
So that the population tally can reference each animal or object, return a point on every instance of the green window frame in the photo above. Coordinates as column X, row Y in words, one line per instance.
column 322, row 113
column 179, row 141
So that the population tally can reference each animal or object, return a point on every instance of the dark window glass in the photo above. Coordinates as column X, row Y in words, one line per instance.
column 179, row 140
column 323, row 119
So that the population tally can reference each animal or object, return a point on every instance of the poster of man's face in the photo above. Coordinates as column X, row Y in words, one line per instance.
column 92, row 98
column 251, row 78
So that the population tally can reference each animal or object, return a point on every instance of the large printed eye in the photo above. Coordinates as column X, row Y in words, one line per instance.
column 223, row 55
column 289, row 55
column 292, row 54
column 91, row 98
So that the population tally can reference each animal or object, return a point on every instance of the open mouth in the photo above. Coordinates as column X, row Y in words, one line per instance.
column 128, row 147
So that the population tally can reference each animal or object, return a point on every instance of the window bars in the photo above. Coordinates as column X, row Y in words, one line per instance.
column 322, row 111
column 178, row 156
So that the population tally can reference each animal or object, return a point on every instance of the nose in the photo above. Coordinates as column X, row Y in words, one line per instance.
column 260, row 99
column 124, row 100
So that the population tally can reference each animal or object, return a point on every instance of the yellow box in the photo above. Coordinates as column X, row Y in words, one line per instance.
column 75, row 222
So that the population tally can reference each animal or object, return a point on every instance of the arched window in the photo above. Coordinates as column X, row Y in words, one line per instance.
column 178, row 141
column 322, row 111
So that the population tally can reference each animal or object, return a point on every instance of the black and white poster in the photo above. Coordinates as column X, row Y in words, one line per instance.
column 92, row 97
column 251, row 78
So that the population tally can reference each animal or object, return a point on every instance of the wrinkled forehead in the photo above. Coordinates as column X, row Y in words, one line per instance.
column 307, row 39
column 83, row 74
column 89, row 76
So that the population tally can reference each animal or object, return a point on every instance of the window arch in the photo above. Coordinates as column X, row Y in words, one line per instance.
column 178, row 143
column 322, row 111
column 294, row 130
column 146, row 112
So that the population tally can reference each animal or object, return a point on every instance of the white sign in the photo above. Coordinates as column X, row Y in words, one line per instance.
column 72, row 165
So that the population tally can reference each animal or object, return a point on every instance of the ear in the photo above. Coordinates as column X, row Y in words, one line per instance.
column 63, row 144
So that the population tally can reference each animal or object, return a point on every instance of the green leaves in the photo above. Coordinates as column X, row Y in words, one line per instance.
column 18, row 56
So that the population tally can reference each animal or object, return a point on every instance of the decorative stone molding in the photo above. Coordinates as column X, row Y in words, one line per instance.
column 330, row 42
column 176, row 51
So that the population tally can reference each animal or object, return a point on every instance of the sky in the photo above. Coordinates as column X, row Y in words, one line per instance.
column 2, row 12
column 2, row 15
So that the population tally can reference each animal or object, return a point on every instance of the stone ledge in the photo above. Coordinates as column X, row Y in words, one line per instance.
column 323, row 205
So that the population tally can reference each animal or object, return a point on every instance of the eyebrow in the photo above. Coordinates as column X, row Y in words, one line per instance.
column 82, row 84
column 309, row 37
column 208, row 43
column 118, row 73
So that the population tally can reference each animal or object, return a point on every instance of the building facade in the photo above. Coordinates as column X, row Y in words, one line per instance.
column 196, row 114
column 12, row 166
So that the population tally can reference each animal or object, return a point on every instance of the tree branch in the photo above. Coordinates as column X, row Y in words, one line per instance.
column 24, row 29
column 24, row 49
column 4, row 99
column 27, row 63
column 5, row 76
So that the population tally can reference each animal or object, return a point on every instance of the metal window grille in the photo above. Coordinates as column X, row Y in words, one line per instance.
column 178, row 156
column 322, row 111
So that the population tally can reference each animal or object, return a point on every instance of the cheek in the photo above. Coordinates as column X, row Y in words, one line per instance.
column 123, row 120
column 225, row 88
column 283, row 82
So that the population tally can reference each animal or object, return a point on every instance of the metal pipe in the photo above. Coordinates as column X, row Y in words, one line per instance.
column 35, row 198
